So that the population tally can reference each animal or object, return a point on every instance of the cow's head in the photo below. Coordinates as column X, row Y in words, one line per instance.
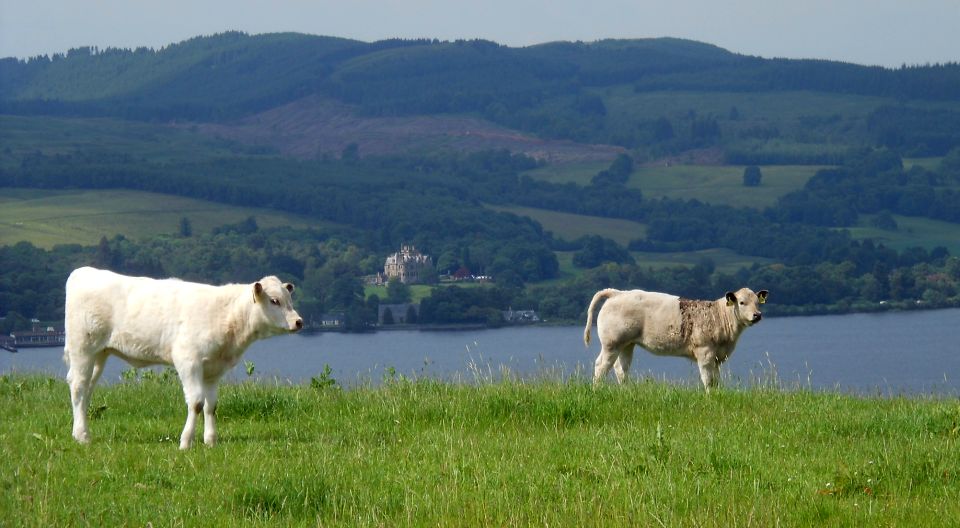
column 746, row 305
column 274, row 300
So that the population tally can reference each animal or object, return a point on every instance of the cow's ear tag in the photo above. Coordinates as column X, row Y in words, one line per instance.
column 762, row 295
column 257, row 290
column 731, row 299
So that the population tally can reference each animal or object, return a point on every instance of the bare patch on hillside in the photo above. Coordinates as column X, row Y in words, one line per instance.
column 313, row 127
column 705, row 156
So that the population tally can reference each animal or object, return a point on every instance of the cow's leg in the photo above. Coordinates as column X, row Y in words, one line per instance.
column 98, row 362
column 191, row 375
column 709, row 368
column 622, row 367
column 210, row 413
column 80, row 377
column 605, row 361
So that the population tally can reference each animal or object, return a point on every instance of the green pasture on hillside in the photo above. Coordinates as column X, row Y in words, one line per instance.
column 551, row 452
column 715, row 184
column 570, row 226
column 46, row 218
column 912, row 231
column 777, row 107
column 579, row 172
column 932, row 164
column 418, row 292
column 721, row 184
column 725, row 260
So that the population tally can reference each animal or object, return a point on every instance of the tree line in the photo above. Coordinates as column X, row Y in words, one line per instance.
column 329, row 275
column 436, row 202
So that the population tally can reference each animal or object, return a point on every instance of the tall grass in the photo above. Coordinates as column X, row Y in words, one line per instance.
column 424, row 453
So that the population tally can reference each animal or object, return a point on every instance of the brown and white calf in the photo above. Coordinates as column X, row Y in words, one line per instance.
column 666, row 325
column 201, row 330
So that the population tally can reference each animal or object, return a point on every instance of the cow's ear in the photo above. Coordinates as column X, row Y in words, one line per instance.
column 731, row 298
column 257, row 290
column 762, row 295
column 289, row 287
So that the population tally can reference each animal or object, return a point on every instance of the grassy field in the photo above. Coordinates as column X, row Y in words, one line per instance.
column 508, row 453
column 569, row 226
column 912, row 231
column 725, row 260
column 779, row 107
column 722, row 185
column 932, row 164
column 716, row 184
column 579, row 172
column 417, row 291
column 46, row 218
column 572, row 226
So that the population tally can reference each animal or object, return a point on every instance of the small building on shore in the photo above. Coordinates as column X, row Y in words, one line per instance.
column 512, row 316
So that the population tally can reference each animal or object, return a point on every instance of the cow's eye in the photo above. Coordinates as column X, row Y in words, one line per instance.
column 742, row 303
column 275, row 302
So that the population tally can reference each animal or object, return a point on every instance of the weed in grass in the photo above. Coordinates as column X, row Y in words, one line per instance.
column 325, row 380
column 849, row 482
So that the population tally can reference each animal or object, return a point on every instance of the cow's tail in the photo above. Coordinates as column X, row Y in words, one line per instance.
column 67, row 312
column 600, row 295
column 67, row 334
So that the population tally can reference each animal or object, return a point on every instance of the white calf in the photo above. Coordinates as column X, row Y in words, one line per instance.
column 201, row 330
column 704, row 331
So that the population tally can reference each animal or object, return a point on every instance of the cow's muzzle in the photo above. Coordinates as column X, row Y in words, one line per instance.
column 297, row 325
column 756, row 317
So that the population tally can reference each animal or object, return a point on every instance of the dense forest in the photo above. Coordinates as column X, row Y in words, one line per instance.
column 68, row 125
column 436, row 203
column 555, row 90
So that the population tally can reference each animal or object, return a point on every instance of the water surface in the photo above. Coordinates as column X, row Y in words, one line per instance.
column 889, row 353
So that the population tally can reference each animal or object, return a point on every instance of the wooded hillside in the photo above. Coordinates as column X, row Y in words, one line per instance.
column 437, row 143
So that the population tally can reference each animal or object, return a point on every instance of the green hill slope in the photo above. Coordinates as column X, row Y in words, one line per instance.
column 48, row 218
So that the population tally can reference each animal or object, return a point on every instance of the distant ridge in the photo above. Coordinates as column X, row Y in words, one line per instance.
column 231, row 75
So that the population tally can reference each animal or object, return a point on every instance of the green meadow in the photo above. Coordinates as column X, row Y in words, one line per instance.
column 417, row 292
column 548, row 452
column 579, row 172
column 912, row 231
column 721, row 184
column 715, row 184
column 725, row 260
column 48, row 217
column 570, row 226
column 779, row 107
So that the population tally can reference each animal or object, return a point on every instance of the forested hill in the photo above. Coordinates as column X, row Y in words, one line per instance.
column 634, row 152
column 233, row 74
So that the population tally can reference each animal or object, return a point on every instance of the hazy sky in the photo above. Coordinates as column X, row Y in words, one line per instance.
column 884, row 32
